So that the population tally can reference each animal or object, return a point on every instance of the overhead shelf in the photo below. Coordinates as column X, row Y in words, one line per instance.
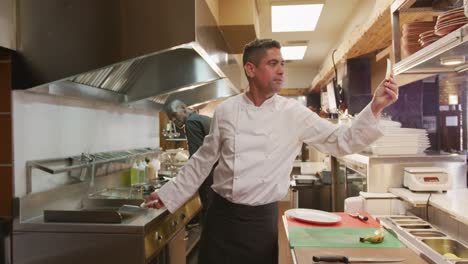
column 428, row 59
column 82, row 164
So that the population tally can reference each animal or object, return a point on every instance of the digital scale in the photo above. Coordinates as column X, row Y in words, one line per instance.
column 426, row 179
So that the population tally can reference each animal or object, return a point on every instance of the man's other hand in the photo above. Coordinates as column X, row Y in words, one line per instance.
column 153, row 201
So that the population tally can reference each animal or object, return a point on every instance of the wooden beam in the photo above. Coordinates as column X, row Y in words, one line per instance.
column 293, row 91
column 384, row 53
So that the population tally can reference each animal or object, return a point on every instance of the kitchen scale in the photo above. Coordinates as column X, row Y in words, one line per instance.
column 426, row 179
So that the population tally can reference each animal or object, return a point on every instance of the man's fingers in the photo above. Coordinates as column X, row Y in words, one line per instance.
column 154, row 204
column 392, row 94
column 392, row 86
column 153, row 201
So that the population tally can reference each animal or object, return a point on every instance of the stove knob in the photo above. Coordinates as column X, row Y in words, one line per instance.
column 157, row 236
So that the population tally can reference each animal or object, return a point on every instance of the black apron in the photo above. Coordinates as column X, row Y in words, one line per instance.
column 239, row 234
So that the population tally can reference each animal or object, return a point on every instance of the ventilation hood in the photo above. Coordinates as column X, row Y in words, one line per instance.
column 141, row 52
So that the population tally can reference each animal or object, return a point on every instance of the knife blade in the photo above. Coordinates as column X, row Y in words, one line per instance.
column 344, row 259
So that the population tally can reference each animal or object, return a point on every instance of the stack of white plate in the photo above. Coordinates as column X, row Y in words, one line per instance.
column 401, row 141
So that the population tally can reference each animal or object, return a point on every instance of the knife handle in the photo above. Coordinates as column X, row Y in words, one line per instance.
column 362, row 217
column 331, row 258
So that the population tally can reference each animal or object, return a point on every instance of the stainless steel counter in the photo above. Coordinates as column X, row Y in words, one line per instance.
column 140, row 239
column 134, row 225
column 137, row 238
column 384, row 172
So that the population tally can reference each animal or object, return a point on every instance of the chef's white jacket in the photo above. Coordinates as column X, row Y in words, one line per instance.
column 256, row 147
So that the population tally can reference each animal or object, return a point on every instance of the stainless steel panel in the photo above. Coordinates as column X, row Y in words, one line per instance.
column 205, row 93
column 59, row 248
column 415, row 244
column 170, row 72
column 138, row 49
column 58, row 39
column 443, row 246
column 427, row 234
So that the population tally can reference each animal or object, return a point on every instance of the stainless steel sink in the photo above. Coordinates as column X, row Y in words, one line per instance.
column 409, row 222
column 427, row 233
column 98, row 211
column 416, row 226
column 118, row 193
column 109, row 203
column 444, row 246
column 404, row 218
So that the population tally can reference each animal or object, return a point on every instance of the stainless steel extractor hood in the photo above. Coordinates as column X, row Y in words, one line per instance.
column 123, row 51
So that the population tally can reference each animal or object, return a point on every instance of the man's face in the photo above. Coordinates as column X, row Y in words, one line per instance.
column 179, row 116
column 268, row 75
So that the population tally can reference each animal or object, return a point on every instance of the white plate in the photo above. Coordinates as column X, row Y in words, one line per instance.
column 313, row 216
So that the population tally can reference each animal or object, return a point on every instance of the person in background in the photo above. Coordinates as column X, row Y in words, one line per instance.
column 256, row 136
column 196, row 127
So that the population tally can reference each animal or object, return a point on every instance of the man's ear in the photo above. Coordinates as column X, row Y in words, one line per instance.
column 249, row 69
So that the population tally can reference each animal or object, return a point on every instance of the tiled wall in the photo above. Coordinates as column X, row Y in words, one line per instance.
column 51, row 127
column 6, row 152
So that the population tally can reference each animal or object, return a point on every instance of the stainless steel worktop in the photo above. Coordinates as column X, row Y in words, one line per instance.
column 134, row 224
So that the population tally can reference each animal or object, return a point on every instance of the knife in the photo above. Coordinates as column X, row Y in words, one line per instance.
column 360, row 216
column 344, row 259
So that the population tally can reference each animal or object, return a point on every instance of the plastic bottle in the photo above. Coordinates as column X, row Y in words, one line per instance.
column 153, row 168
column 142, row 171
column 150, row 170
column 157, row 167
column 134, row 174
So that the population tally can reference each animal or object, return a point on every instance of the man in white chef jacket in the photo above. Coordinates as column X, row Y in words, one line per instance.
column 256, row 136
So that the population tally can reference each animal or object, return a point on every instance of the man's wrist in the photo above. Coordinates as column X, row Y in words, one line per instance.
column 376, row 110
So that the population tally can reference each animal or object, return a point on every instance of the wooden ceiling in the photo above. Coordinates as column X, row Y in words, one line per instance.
column 378, row 36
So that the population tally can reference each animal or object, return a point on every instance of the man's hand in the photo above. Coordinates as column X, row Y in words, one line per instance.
column 153, row 201
column 385, row 95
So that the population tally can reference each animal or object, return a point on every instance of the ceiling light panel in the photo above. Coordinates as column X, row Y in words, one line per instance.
column 291, row 18
column 293, row 52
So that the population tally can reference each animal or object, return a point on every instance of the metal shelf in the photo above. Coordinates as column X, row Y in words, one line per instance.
column 83, row 162
column 427, row 60
column 176, row 139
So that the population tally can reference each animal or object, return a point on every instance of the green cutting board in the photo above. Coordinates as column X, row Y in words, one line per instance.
column 337, row 238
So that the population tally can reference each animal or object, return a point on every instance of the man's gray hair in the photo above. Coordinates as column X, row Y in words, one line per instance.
column 254, row 50
column 171, row 107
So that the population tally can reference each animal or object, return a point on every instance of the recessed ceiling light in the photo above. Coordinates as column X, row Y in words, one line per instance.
column 289, row 18
column 452, row 60
column 293, row 52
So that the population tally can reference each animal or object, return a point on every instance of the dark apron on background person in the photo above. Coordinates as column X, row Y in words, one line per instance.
column 239, row 234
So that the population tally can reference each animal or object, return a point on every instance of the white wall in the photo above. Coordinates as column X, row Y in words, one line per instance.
column 298, row 76
column 52, row 127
